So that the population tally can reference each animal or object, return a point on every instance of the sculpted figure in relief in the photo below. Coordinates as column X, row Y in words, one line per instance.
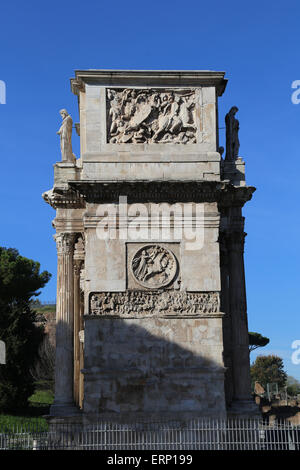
column 153, row 266
column 157, row 303
column 114, row 111
column 151, row 116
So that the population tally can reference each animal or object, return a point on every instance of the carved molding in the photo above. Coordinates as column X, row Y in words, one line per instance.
column 152, row 78
column 77, row 85
column 64, row 198
column 80, row 192
column 137, row 304
column 164, row 191
column 64, row 242
column 150, row 116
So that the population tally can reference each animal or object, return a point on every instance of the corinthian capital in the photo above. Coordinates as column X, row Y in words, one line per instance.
column 64, row 242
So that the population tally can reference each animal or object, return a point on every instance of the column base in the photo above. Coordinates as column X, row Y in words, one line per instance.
column 64, row 410
column 243, row 409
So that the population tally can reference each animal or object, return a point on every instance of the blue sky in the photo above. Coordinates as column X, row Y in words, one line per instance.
column 256, row 43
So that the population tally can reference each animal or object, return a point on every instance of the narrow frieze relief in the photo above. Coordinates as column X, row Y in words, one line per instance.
column 161, row 304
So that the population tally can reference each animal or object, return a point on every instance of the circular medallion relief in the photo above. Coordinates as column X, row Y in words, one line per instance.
column 153, row 266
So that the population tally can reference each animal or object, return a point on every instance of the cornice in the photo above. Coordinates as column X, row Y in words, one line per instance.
column 77, row 193
column 149, row 78
column 77, row 85
column 163, row 191
column 235, row 196
column 64, row 198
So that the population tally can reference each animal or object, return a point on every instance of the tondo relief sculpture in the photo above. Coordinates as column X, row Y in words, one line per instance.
column 154, row 266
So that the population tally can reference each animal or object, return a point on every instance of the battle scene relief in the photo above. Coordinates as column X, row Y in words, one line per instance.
column 140, row 116
column 156, row 303
column 154, row 266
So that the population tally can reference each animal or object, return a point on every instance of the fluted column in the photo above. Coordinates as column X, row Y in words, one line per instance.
column 225, row 308
column 64, row 401
column 78, row 263
column 239, row 322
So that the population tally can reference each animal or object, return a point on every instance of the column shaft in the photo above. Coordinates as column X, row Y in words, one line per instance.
column 239, row 323
column 63, row 401
column 225, row 307
column 77, row 328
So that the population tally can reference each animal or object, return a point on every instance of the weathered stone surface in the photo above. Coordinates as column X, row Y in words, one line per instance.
column 154, row 366
column 151, row 307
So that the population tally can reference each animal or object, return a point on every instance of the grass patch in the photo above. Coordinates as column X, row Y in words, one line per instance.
column 45, row 309
column 31, row 418
column 48, row 308
column 15, row 424
column 41, row 398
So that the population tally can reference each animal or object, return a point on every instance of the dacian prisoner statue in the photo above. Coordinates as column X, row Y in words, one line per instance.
column 232, row 135
column 65, row 133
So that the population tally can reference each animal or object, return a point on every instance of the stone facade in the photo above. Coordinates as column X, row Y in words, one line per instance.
column 151, row 302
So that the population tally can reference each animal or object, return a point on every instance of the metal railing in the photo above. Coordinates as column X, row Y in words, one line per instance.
column 198, row 434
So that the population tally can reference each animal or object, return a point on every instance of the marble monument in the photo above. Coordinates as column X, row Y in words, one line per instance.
column 151, row 302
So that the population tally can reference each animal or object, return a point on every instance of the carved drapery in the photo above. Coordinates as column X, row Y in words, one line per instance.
column 65, row 133
column 232, row 135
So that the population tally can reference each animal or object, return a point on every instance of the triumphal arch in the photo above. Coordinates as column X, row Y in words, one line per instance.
column 151, row 303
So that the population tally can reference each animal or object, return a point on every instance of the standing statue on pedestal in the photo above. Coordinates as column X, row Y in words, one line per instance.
column 65, row 133
column 232, row 135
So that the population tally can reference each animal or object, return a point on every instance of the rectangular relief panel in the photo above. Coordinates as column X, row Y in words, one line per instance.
column 150, row 116
column 138, row 304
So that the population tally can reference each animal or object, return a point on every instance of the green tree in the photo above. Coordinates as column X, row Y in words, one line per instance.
column 20, row 279
column 293, row 386
column 268, row 369
column 256, row 340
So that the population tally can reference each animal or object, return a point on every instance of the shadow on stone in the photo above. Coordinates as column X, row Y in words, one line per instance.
column 153, row 367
